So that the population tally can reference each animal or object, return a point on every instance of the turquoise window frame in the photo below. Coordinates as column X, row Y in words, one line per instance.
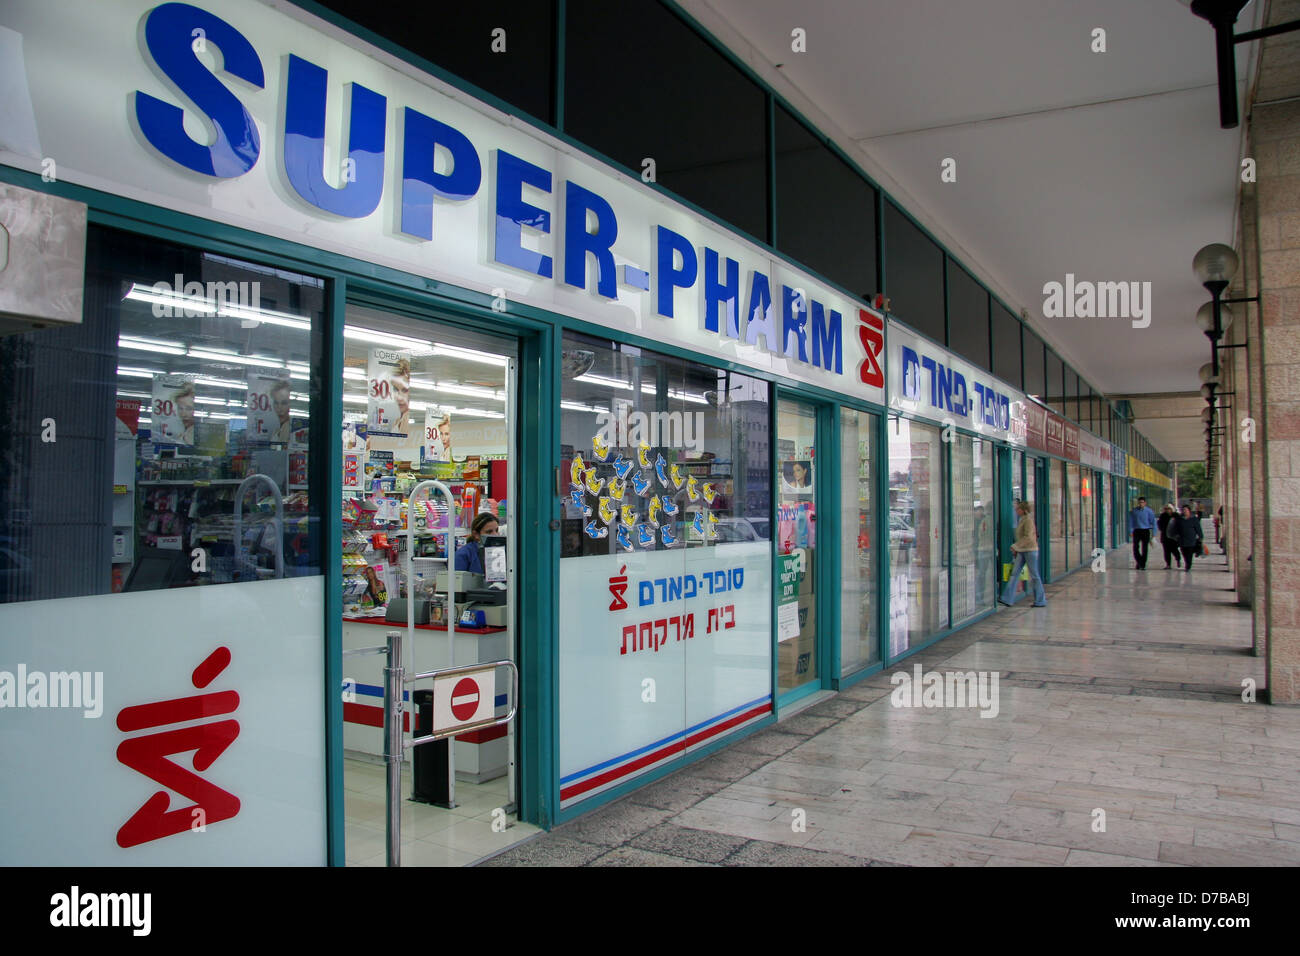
column 880, row 498
column 350, row 278
column 825, row 565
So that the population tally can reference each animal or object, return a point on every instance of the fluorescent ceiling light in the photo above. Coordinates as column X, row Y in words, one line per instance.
column 221, row 382
column 578, row 407
column 385, row 338
column 470, row 390
column 213, row 307
column 470, row 355
column 139, row 372
column 149, row 345
column 679, row 394
column 215, row 356
column 602, row 380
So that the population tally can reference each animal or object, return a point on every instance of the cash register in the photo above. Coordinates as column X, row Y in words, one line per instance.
column 487, row 605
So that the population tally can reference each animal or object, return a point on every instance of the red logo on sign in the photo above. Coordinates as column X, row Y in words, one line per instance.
column 872, row 335
column 148, row 754
column 464, row 698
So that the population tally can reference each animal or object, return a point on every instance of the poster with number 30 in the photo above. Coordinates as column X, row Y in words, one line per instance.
column 388, row 393
column 172, row 410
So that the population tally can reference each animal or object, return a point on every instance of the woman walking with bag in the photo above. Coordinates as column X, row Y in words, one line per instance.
column 1167, row 517
column 1186, row 530
column 1025, row 548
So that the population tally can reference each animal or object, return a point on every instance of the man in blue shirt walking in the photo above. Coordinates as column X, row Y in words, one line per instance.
column 1141, row 521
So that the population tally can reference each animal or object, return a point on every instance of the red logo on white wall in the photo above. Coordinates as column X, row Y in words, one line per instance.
column 148, row 754
column 872, row 335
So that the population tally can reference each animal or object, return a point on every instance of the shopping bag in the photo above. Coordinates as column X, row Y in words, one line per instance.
column 1024, row 573
column 1006, row 571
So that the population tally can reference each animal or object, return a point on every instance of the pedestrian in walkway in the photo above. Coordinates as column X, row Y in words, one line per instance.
column 1141, row 522
column 1187, row 531
column 1167, row 517
column 1025, row 548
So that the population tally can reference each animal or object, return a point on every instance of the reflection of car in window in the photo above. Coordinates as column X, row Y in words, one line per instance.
column 736, row 529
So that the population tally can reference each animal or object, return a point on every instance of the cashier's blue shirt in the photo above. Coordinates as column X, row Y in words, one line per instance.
column 467, row 558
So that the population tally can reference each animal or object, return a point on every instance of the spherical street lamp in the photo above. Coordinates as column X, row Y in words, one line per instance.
column 1214, row 265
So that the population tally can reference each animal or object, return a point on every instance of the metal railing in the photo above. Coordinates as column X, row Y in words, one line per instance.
column 395, row 744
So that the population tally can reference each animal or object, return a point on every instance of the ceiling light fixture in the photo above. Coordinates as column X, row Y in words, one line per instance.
column 386, row 338
column 190, row 306
column 470, row 355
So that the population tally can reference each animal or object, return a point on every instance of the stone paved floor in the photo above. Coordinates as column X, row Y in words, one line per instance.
column 1124, row 695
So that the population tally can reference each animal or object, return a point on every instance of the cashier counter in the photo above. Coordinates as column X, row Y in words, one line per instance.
column 482, row 634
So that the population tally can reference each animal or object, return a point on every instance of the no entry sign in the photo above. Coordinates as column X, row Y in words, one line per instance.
column 466, row 698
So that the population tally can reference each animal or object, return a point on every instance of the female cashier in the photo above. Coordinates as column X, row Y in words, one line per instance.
column 467, row 555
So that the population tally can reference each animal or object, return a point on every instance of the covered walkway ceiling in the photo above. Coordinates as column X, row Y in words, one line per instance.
column 1108, row 166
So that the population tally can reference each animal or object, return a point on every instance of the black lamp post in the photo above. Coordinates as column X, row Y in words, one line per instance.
column 1222, row 15
column 1214, row 265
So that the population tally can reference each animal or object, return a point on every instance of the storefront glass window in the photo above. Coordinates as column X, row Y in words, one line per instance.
column 1105, row 512
column 1057, row 510
column 641, row 84
column 972, row 527
column 826, row 217
column 914, row 274
column 859, row 541
column 665, row 489
column 1017, row 480
column 1088, row 504
column 797, row 660
column 128, row 438
column 160, row 527
column 1073, row 526
column 460, row 38
column 1006, row 346
column 1034, row 369
column 1055, row 383
column 918, row 547
column 968, row 316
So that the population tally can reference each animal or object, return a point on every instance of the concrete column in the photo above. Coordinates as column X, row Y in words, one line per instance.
column 1275, row 133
